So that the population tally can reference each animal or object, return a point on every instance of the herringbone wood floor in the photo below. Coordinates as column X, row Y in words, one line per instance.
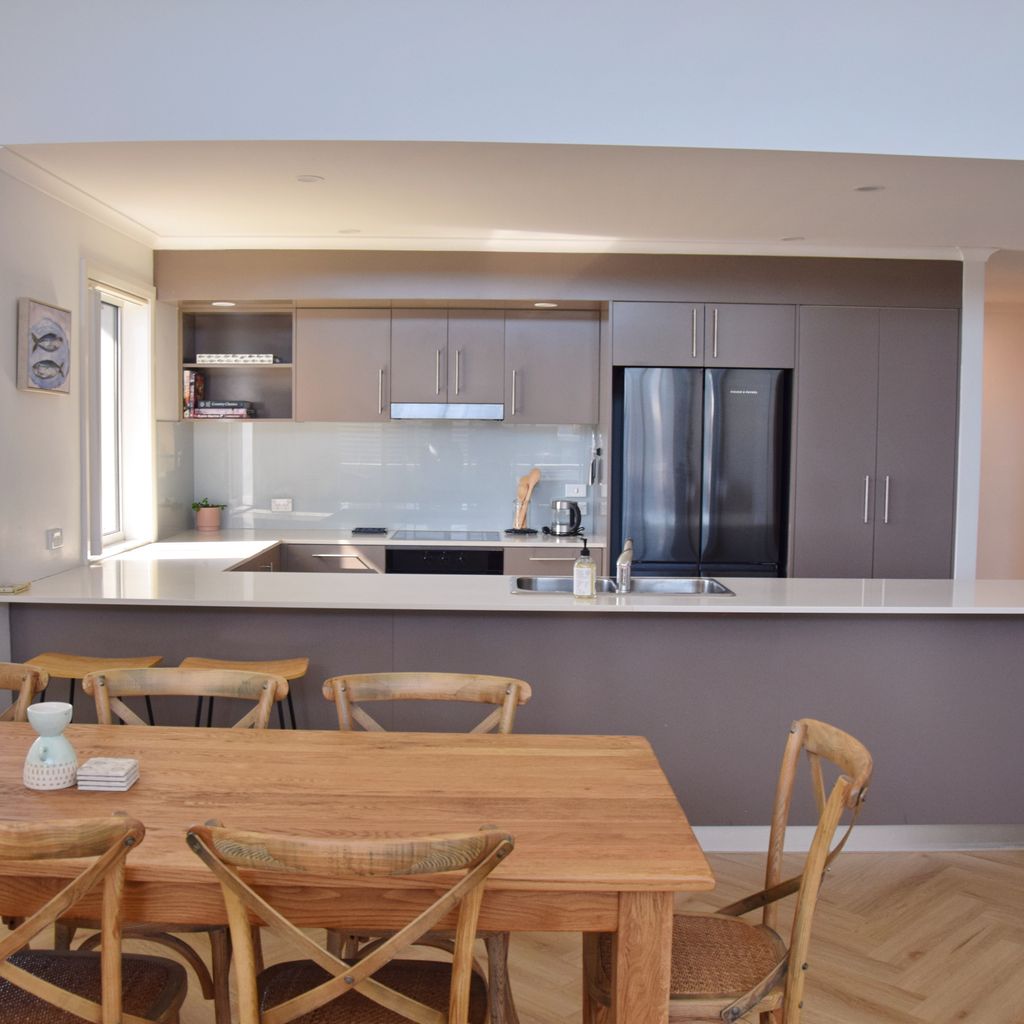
column 898, row 939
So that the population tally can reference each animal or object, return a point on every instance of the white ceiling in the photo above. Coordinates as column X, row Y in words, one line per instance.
column 478, row 196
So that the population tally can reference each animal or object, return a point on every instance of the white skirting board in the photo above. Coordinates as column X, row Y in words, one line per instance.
column 867, row 838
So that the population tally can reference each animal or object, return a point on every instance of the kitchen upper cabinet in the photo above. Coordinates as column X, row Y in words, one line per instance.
column 447, row 355
column 875, row 447
column 551, row 366
column 476, row 355
column 342, row 365
column 703, row 334
column 658, row 334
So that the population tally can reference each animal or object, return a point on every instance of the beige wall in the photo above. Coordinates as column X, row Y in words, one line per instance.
column 42, row 245
column 1001, row 509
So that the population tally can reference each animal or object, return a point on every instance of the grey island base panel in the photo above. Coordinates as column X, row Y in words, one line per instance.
column 936, row 699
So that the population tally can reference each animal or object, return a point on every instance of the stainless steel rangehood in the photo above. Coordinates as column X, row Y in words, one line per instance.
column 447, row 411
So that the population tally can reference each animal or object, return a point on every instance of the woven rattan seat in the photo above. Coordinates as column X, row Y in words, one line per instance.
column 714, row 956
column 425, row 980
column 154, row 988
column 723, row 968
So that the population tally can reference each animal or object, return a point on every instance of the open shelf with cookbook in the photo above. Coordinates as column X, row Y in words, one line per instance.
column 237, row 364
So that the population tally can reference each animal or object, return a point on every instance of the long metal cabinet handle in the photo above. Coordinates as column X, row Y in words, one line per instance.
column 693, row 333
column 867, row 496
column 714, row 336
column 885, row 508
column 515, row 374
column 380, row 392
column 458, row 369
column 437, row 373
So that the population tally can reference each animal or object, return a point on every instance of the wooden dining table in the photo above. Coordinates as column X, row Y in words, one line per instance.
column 602, row 843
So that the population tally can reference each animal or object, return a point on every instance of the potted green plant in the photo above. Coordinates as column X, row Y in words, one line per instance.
column 207, row 514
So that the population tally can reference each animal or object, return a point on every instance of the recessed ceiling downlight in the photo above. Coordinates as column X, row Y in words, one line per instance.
column 309, row 179
column 869, row 188
column 545, row 305
column 221, row 302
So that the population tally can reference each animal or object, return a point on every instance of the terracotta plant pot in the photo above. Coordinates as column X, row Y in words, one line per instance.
column 208, row 518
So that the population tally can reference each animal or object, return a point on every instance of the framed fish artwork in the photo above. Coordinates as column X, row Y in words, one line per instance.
column 44, row 347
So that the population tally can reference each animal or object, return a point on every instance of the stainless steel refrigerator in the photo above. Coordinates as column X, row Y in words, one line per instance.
column 700, row 469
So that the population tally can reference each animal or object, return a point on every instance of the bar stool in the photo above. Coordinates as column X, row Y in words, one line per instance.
column 76, row 666
column 290, row 668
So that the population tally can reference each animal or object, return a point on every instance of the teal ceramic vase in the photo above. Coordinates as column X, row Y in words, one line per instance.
column 51, row 762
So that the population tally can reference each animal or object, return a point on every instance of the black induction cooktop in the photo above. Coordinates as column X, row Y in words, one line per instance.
column 448, row 535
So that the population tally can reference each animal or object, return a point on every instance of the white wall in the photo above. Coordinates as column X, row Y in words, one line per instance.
column 42, row 244
column 881, row 76
column 1001, row 509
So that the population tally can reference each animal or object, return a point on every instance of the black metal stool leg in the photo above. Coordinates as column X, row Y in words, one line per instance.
column 280, row 715
column 199, row 711
column 149, row 710
column 71, row 691
column 209, row 714
column 291, row 709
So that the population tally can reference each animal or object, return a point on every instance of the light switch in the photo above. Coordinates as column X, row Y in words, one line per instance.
column 575, row 490
column 280, row 504
column 54, row 539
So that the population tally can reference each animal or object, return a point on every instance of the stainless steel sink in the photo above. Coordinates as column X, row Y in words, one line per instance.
column 556, row 585
column 682, row 586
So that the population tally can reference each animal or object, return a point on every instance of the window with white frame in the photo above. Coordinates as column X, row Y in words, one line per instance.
column 120, row 478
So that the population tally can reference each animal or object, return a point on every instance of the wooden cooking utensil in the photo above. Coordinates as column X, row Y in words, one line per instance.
column 521, row 492
column 531, row 478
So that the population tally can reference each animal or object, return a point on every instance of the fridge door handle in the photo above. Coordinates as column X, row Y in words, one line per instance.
column 885, row 503
column 714, row 334
column 693, row 333
column 867, row 496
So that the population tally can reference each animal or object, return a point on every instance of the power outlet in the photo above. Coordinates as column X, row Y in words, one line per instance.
column 280, row 504
column 575, row 490
column 54, row 539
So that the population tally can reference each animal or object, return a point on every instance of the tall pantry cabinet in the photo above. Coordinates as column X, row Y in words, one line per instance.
column 875, row 447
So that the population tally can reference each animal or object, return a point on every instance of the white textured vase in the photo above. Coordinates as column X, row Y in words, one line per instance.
column 51, row 762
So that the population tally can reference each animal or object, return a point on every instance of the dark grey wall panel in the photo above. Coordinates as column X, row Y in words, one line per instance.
column 936, row 699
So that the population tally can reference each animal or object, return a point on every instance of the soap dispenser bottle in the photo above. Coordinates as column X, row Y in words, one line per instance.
column 584, row 574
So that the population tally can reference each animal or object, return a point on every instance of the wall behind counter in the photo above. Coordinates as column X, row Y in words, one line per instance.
column 412, row 474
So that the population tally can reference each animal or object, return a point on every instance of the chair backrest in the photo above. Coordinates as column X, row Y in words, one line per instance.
column 474, row 856
column 109, row 687
column 24, row 682
column 105, row 840
column 348, row 692
column 850, row 758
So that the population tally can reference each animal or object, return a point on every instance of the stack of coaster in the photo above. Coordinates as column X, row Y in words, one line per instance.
column 108, row 773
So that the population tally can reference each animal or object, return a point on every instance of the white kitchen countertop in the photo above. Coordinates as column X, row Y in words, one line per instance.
column 190, row 569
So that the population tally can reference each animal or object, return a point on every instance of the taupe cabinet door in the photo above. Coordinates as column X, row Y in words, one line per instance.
column 703, row 334
column 834, row 451
column 749, row 335
column 876, row 442
column 341, row 365
column 419, row 355
column 551, row 367
column 917, row 422
column 658, row 334
column 476, row 355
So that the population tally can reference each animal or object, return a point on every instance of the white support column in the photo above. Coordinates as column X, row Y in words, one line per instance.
column 968, row 471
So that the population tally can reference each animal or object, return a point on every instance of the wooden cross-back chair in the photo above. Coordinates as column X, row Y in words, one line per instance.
column 41, row 987
column 423, row 991
column 348, row 692
column 727, row 969
column 506, row 695
column 23, row 682
column 109, row 688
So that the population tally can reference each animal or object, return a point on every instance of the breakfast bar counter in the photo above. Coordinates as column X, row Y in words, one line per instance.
column 925, row 672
